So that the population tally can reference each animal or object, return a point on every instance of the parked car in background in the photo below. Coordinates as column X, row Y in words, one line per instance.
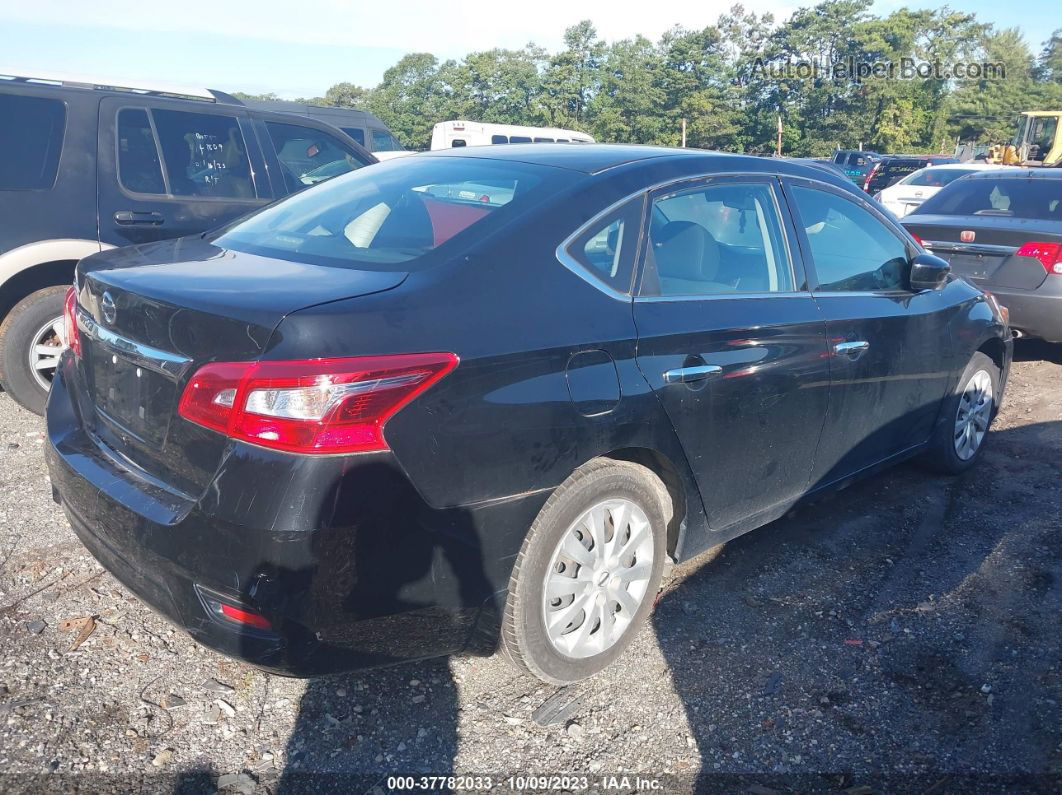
column 906, row 195
column 1002, row 230
column 892, row 168
column 384, row 419
column 362, row 126
column 87, row 165
column 458, row 133
column 855, row 163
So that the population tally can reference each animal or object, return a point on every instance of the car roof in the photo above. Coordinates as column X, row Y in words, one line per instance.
column 597, row 158
column 1016, row 172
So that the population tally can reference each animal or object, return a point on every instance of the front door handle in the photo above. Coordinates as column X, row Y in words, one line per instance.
column 129, row 217
column 853, row 350
column 688, row 375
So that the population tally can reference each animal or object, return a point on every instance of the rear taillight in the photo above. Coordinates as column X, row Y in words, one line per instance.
column 1049, row 254
column 917, row 239
column 314, row 406
column 870, row 176
column 73, row 336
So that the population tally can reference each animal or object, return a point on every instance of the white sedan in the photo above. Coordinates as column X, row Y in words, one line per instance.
column 906, row 195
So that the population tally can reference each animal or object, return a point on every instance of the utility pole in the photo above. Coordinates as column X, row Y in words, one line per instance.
column 778, row 145
column 683, row 132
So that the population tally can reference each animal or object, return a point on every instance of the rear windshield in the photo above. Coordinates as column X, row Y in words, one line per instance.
column 934, row 177
column 401, row 211
column 1039, row 199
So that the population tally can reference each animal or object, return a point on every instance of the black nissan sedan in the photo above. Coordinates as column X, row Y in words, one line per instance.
column 482, row 396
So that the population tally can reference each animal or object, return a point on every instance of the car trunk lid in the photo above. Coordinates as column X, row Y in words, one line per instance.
column 983, row 248
column 151, row 316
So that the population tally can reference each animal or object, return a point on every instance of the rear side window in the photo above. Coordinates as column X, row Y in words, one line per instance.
column 308, row 155
column 606, row 248
column 852, row 250
column 399, row 211
column 384, row 142
column 139, row 168
column 1039, row 199
column 205, row 154
column 356, row 133
column 715, row 240
column 31, row 139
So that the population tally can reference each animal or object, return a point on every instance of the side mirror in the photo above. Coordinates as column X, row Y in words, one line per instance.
column 929, row 272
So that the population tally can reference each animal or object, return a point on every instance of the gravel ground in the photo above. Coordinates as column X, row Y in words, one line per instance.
column 903, row 634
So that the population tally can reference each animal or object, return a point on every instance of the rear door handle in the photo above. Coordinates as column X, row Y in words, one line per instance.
column 853, row 350
column 129, row 217
column 688, row 375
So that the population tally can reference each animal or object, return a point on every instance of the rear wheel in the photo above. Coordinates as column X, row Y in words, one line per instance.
column 968, row 412
column 31, row 340
column 588, row 572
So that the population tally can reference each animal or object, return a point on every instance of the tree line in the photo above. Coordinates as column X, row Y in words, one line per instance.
column 732, row 81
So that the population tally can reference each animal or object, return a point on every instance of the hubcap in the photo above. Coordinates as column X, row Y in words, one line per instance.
column 46, row 346
column 973, row 416
column 597, row 578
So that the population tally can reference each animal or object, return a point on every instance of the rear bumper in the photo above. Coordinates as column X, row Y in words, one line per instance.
column 1037, row 313
column 363, row 574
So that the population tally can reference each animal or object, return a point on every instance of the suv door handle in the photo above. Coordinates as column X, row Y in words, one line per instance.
column 853, row 350
column 687, row 375
column 128, row 217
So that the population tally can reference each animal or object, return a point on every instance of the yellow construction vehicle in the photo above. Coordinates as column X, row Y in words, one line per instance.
column 1038, row 142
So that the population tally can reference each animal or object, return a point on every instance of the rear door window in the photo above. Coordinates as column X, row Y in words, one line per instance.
column 383, row 141
column 717, row 239
column 31, row 140
column 139, row 167
column 356, row 133
column 308, row 155
column 204, row 154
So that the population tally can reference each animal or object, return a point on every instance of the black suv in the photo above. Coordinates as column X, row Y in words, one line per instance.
column 890, row 169
column 87, row 166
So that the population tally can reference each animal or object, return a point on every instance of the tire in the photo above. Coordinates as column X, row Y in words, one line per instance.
column 947, row 453
column 24, row 325
column 609, row 490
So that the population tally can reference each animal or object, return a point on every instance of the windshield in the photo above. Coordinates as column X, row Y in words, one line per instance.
column 935, row 177
column 1040, row 199
column 401, row 211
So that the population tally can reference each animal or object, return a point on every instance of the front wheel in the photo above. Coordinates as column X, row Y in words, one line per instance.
column 32, row 338
column 967, row 414
column 588, row 572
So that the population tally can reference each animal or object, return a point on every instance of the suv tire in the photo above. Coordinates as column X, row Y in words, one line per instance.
column 20, row 331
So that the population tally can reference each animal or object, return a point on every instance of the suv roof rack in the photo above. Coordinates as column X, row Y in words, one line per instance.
column 110, row 84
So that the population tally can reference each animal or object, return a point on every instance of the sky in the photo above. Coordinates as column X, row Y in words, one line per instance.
column 300, row 49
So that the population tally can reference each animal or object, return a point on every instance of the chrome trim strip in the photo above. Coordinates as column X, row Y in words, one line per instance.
column 169, row 364
column 647, row 299
column 572, row 264
column 575, row 267
column 968, row 248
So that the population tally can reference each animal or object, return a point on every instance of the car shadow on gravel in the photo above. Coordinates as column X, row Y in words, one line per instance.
column 868, row 639
column 382, row 585
column 1030, row 350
